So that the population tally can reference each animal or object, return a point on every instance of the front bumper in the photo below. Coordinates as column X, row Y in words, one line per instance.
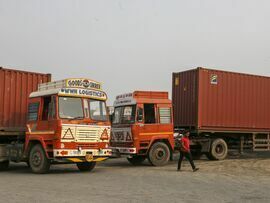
column 61, row 153
column 123, row 150
column 78, row 159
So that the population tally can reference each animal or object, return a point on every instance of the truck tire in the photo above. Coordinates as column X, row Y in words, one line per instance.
column 38, row 161
column 159, row 154
column 218, row 150
column 136, row 160
column 86, row 166
column 4, row 165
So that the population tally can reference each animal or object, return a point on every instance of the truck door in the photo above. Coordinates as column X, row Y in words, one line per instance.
column 48, row 114
column 148, row 126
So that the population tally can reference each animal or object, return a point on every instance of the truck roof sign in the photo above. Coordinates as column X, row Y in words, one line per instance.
column 124, row 96
column 79, row 92
column 71, row 83
column 75, row 87
column 124, row 99
column 83, row 83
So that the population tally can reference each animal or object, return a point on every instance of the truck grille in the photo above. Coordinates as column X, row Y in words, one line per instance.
column 82, row 133
column 91, row 135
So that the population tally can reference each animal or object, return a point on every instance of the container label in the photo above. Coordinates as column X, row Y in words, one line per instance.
column 176, row 82
column 214, row 79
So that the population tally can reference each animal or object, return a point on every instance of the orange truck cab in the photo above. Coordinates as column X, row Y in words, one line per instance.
column 142, row 127
column 67, row 123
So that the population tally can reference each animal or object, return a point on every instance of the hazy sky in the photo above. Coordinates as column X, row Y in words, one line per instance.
column 134, row 44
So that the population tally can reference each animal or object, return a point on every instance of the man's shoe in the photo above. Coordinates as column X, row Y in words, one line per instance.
column 195, row 169
column 178, row 170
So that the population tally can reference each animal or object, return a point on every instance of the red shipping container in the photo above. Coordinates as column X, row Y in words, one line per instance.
column 221, row 101
column 15, row 87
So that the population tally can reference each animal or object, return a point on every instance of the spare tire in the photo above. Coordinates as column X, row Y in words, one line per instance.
column 218, row 150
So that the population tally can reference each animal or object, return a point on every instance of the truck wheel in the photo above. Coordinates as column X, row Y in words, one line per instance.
column 4, row 165
column 218, row 151
column 38, row 161
column 136, row 160
column 86, row 166
column 159, row 154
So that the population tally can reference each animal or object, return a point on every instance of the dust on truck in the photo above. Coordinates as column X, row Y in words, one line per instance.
column 142, row 127
column 66, row 122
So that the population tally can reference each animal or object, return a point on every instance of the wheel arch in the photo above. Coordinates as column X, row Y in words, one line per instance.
column 164, row 140
column 33, row 142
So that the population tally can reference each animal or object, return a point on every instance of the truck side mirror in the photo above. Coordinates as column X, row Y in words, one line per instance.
column 140, row 115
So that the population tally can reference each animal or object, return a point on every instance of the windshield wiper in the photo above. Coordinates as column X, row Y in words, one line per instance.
column 74, row 118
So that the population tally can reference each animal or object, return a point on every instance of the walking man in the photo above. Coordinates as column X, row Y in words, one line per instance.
column 185, row 152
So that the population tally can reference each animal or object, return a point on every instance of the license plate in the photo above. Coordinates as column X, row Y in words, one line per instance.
column 89, row 157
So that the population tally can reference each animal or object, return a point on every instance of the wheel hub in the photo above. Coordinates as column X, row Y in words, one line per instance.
column 36, row 159
column 219, row 149
column 160, row 154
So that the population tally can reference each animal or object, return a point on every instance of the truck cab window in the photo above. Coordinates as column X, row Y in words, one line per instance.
column 45, row 110
column 124, row 114
column 165, row 115
column 149, row 113
column 98, row 110
column 33, row 111
column 139, row 114
column 70, row 108
column 51, row 113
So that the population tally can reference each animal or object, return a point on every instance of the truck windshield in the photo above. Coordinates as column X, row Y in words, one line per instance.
column 70, row 108
column 98, row 110
column 124, row 114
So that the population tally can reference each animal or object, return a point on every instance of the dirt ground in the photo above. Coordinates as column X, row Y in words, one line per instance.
column 243, row 178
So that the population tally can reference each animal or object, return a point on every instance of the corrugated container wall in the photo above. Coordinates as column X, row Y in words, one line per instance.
column 216, row 100
column 15, row 87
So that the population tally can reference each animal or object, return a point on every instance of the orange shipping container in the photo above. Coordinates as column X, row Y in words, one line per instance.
column 15, row 87
column 214, row 100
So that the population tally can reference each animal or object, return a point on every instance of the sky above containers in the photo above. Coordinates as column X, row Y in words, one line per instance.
column 134, row 44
